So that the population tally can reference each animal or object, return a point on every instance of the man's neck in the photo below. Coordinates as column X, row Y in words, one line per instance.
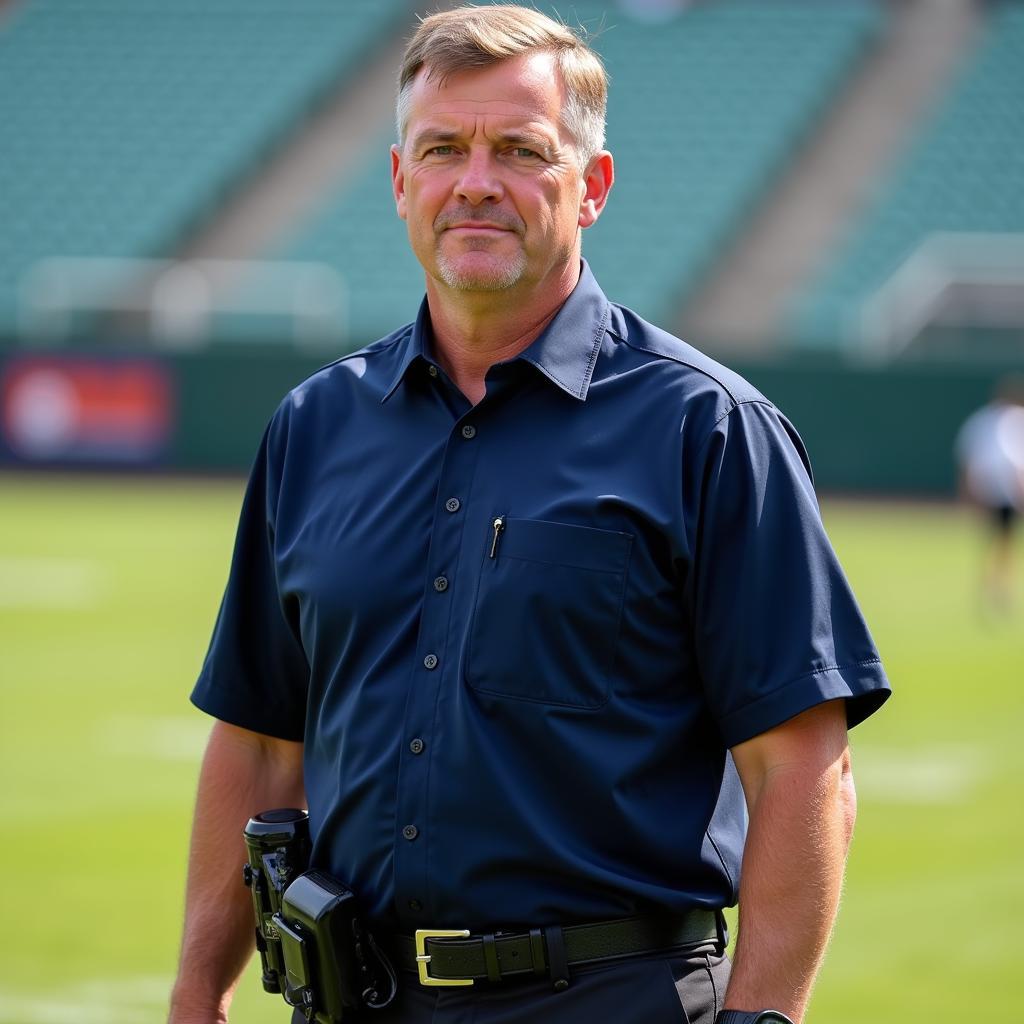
column 474, row 330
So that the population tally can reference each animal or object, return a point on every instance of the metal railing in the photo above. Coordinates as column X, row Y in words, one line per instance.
column 951, row 279
column 173, row 302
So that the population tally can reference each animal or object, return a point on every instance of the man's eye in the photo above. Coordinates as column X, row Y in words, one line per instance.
column 440, row 151
column 524, row 154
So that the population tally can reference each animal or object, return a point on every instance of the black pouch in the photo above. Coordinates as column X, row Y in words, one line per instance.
column 333, row 967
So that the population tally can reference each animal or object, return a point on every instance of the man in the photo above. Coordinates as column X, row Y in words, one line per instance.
column 989, row 449
column 508, row 587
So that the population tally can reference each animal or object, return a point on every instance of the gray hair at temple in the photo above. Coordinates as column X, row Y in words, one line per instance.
column 476, row 37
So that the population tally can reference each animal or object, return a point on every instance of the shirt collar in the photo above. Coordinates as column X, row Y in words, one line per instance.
column 416, row 348
column 565, row 352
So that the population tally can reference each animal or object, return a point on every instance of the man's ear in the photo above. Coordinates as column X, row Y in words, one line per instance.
column 398, row 180
column 597, row 184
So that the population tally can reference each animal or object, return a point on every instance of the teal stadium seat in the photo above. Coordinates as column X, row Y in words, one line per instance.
column 964, row 173
column 123, row 123
column 705, row 110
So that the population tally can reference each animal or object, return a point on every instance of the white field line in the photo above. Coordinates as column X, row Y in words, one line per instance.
column 165, row 738
column 50, row 583
column 141, row 1000
column 949, row 773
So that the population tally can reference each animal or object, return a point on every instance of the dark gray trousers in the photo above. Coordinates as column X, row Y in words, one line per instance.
column 661, row 989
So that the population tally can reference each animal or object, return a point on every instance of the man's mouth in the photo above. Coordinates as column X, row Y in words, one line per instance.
column 476, row 226
column 451, row 221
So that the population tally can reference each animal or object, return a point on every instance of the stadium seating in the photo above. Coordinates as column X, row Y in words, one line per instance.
column 964, row 173
column 704, row 111
column 703, row 115
column 123, row 123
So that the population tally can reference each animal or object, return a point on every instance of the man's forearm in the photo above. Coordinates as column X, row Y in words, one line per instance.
column 242, row 774
column 799, row 790
column 800, row 828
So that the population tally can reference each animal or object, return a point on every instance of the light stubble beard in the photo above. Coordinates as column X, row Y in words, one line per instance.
column 500, row 277
column 503, row 273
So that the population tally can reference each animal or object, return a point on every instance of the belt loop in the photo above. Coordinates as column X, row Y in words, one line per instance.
column 491, row 958
column 540, row 963
column 558, row 963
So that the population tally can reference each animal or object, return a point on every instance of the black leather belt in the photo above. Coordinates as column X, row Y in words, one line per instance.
column 455, row 957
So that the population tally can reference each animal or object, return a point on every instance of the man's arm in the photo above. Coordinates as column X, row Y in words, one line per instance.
column 802, row 805
column 243, row 773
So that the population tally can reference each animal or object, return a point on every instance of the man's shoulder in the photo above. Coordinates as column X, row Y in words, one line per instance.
column 371, row 367
column 695, row 372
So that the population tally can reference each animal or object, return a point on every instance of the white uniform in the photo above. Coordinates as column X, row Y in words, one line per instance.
column 990, row 448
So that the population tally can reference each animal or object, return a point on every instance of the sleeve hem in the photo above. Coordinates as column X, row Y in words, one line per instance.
column 862, row 684
column 262, row 721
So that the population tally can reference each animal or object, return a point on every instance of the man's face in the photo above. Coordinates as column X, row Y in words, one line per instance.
column 488, row 180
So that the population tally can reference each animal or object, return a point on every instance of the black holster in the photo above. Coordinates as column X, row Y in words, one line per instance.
column 314, row 948
column 333, row 966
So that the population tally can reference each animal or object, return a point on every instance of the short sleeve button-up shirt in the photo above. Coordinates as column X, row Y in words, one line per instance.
column 518, row 638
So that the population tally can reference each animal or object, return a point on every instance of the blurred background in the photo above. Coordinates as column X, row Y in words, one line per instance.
column 195, row 212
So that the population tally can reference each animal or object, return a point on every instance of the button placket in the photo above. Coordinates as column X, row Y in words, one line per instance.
column 436, row 665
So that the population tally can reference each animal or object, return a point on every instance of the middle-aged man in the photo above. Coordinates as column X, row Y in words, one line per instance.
column 532, row 603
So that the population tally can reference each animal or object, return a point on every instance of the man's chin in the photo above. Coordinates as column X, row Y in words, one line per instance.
column 480, row 276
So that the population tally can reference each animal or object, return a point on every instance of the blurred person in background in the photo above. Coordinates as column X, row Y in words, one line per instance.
column 532, row 602
column 989, row 450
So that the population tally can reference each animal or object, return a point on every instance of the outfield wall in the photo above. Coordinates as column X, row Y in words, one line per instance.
column 869, row 429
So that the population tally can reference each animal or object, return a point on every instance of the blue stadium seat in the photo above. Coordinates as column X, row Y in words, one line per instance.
column 123, row 123
column 964, row 173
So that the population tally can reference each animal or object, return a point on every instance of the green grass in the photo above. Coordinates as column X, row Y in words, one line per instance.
column 108, row 589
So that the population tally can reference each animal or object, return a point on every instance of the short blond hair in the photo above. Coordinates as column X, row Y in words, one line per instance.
column 478, row 36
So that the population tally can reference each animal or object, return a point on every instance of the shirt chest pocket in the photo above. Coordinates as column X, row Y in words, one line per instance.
column 545, row 623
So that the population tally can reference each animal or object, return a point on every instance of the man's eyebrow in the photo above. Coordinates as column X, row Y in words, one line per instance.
column 433, row 135
column 528, row 139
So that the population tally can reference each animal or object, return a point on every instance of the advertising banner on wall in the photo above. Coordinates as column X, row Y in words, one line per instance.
column 61, row 409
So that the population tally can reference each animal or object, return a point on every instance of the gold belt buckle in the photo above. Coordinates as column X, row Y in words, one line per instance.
column 423, row 957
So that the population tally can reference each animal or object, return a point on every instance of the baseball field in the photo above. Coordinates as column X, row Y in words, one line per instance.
column 109, row 587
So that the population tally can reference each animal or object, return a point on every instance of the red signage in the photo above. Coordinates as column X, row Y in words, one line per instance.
column 60, row 408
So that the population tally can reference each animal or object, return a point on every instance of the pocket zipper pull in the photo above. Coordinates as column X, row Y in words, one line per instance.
column 498, row 525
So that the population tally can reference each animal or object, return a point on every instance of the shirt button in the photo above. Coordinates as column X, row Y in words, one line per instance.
column 441, row 584
column 430, row 661
column 416, row 745
column 410, row 832
column 469, row 431
column 432, row 370
column 453, row 504
column 415, row 905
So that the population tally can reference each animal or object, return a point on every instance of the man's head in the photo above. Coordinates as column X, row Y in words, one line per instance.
column 501, row 115
column 477, row 37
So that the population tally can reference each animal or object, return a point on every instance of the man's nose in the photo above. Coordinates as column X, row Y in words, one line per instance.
column 478, row 181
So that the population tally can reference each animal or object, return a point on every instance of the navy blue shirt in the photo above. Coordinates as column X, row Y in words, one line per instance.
column 518, row 638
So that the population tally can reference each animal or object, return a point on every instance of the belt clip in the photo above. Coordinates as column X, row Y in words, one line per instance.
column 723, row 929
column 558, row 963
